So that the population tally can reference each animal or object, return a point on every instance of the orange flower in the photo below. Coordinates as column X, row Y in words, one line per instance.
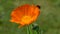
column 25, row 14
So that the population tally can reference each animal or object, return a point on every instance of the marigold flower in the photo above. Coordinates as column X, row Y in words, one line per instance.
column 25, row 14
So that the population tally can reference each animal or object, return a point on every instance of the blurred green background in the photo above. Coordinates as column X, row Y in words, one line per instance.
column 48, row 21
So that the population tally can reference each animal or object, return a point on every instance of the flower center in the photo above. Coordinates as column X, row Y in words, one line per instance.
column 26, row 19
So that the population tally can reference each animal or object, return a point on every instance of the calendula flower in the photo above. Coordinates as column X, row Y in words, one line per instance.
column 25, row 14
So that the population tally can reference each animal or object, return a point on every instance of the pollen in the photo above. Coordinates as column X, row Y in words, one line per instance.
column 26, row 19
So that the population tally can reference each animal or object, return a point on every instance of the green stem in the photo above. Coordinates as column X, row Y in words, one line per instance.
column 28, row 32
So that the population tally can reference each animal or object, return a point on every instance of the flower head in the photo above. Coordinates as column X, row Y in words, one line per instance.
column 25, row 14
